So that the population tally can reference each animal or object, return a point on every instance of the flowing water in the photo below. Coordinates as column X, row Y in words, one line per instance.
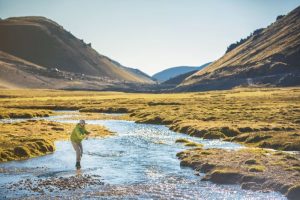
column 139, row 162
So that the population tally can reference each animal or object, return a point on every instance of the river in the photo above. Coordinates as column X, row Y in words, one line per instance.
column 138, row 162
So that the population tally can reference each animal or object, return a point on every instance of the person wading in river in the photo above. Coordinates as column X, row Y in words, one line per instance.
column 78, row 134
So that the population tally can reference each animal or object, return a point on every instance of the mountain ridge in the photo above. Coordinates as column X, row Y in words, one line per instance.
column 267, row 58
column 172, row 72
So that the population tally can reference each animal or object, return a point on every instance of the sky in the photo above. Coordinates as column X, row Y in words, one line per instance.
column 153, row 35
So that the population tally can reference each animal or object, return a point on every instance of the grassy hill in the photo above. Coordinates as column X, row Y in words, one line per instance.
column 45, row 43
column 269, row 56
column 19, row 73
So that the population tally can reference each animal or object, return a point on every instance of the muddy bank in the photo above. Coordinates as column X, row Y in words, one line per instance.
column 254, row 169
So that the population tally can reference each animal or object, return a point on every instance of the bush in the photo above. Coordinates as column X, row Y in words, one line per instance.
column 279, row 17
column 243, row 40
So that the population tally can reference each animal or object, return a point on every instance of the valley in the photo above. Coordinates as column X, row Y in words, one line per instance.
column 256, row 118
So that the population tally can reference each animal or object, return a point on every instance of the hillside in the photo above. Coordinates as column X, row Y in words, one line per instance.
column 269, row 56
column 18, row 73
column 45, row 43
column 175, row 71
column 134, row 71
column 13, row 73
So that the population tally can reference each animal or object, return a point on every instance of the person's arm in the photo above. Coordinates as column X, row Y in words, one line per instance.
column 86, row 132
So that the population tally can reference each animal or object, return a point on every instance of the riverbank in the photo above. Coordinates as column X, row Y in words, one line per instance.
column 15, row 113
column 32, row 138
column 254, row 169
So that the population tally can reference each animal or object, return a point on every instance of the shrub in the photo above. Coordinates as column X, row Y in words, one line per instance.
column 279, row 17
column 243, row 40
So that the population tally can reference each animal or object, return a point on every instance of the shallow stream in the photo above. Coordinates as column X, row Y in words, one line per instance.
column 139, row 162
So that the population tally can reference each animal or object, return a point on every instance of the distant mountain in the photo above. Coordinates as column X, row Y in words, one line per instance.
column 175, row 71
column 269, row 56
column 178, row 79
column 44, row 43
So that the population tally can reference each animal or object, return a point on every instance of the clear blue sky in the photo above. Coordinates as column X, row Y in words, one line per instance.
column 153, row 35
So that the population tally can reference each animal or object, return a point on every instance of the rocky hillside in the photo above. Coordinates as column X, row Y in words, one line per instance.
column 45, row 43
column 175, row 71
column 269, row 56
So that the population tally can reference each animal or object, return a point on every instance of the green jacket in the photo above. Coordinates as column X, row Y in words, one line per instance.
column 78, row 134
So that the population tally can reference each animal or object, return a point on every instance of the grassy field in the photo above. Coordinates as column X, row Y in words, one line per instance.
column 256, row 117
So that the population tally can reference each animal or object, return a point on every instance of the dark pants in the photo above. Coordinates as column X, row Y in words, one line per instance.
column 78, row 148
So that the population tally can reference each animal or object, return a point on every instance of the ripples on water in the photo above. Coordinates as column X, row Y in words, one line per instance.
column 139, row 162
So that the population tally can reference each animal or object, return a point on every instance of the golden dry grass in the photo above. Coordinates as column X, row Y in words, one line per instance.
column 263, row 117
column 253, row 168
column 23, row 113
column 32, row 138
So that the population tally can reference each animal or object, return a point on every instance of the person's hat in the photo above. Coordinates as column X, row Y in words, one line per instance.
column 81, row 121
